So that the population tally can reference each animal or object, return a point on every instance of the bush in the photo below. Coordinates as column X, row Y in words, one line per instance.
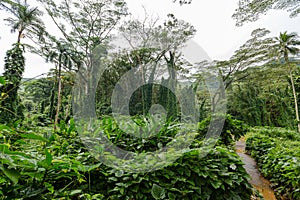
column 278, row 160
column 232, row 130
column 277, row 132
column 43, row 165
column 220, row 175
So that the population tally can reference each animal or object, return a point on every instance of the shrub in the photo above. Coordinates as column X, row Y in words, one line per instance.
column 43, row 165
column 232, row 130
column 278, row 160
column 220, row 175
column 277, row 132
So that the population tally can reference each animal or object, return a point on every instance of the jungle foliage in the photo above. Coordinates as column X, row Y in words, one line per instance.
column 277, row 152
column 44, row 156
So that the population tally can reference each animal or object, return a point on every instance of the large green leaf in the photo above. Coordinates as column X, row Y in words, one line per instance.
column 34, row 137
column 4, row 147
column 2, row 81
column 4, row 127
column 158, row 192
column 48, row 157
column 12, row 174
column 75, row 192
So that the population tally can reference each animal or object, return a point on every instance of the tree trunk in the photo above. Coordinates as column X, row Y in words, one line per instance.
column 58, row 97
column 19, row 37
column 294, row 90
column 295, row 100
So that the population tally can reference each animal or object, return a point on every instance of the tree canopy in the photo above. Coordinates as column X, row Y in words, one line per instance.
column 251, row 10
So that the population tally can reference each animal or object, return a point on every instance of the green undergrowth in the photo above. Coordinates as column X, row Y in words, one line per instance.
column 230, row 131
column 40, row 164
column 277, row 152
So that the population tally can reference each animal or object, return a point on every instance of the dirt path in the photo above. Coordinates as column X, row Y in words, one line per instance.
column 257, row 180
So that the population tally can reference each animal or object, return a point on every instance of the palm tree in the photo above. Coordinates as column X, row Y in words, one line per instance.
column 63, row 57
column 25, row 18
column 287, row 43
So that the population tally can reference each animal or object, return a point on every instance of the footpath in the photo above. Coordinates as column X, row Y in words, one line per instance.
column 257, row 180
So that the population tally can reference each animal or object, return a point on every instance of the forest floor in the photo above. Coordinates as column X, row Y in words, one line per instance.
column 257, row 180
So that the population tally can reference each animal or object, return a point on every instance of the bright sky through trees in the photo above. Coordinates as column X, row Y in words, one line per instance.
column 216, row 30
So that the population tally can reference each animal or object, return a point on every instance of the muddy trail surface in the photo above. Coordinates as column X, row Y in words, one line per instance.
column 257, row 180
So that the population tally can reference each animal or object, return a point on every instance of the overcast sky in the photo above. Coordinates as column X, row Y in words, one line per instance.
column 216, row 30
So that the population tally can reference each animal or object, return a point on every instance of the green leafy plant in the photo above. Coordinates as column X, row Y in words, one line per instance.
column 219, row 175
column 40, row 164
column 278, row 159
column 232, row 130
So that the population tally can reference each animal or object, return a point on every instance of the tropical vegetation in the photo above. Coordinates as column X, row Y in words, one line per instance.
column 143, row 121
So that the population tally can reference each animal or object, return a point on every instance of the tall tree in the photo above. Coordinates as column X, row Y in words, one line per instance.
column 288, row 44
column 89, row 22
column 64, row 58
column 253, row 52
column 86, row 26
column 11, row 108
column 24, row 19
column 152, row 44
